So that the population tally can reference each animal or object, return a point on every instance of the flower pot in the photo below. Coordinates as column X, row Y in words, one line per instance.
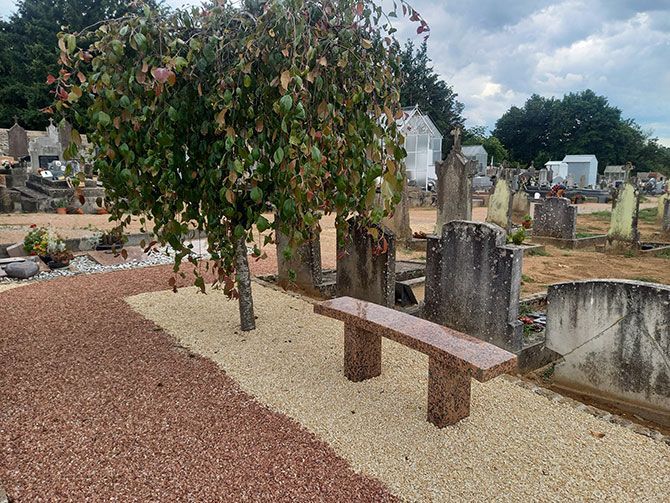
column 526, row 224
column 79, row 211
column 61, row 211
column 54, row 264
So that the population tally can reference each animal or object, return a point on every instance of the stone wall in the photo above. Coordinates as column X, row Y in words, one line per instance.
column 614, row 336
column 364, row 271
column 473, row 279
column 555, row 218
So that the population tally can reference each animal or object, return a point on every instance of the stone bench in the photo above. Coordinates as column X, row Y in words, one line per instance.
column 454, row 357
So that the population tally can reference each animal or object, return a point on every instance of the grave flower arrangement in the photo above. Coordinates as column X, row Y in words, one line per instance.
column 48, row 245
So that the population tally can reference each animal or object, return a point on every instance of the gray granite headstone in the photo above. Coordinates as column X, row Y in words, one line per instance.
column 555, row 218
column 473, row 280
column 666, row 216
column 365, row 270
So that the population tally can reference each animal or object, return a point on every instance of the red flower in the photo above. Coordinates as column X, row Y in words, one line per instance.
column 33, row 226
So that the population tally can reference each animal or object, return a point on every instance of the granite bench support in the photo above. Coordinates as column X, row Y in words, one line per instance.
column 453, row 357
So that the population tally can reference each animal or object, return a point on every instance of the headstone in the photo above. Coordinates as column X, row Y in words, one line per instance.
column 473, row 279
column 365, row 266
column 521, row 203
column 22, row 270
column 666, row 216
column 454, row 185
column 398, row 223
column 16, row 250
column 623, row 224
column 544, row 177
column 64, row 135
column 18, row 141
column 305, row 263
column 500, row 205
column 661, row 205
column 555, row 218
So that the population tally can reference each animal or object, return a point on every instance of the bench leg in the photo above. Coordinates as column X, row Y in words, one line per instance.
column 362, row 354
column 448, row 394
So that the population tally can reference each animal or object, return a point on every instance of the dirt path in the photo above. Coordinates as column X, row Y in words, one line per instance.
column 99, row 404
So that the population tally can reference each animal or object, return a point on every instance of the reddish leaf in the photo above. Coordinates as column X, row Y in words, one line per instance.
column 162, row 75
column 50, row 79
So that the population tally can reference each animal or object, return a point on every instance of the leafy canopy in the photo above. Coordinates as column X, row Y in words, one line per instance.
column 27, row 52
column 206, row 118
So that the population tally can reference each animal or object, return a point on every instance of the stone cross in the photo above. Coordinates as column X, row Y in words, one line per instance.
column 16, row 119
column 456, row 133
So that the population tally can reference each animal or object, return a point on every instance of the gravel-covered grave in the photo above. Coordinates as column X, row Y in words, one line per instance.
column 515, row 446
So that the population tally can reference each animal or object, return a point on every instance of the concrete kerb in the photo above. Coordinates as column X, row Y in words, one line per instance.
column 85, row 244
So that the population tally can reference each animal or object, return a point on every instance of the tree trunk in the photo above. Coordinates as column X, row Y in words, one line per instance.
column 246, row 302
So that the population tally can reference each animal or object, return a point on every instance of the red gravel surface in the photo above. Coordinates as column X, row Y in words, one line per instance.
column 98, row 404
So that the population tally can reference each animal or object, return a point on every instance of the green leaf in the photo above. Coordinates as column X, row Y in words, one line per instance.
column 316, row 153
column 279, row 155
column 256, row 195
column 262, row 224
column 103, row 119
column 286, row 103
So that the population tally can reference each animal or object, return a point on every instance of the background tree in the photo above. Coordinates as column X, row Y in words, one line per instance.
column 422, row 86
column 206, row 118
column 579, row 123
column 27, row 52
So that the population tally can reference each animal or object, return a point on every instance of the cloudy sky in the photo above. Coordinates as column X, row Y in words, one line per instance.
column 497, row 53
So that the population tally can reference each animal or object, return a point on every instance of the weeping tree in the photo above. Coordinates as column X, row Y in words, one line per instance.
column 210, row 117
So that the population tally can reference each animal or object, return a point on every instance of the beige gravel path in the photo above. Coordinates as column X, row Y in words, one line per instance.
column 9, row 286
column 515, row 446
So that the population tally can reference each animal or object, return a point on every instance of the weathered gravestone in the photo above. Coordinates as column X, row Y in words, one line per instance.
column 399, row 224
column 18, row 141
column 661, row 205
column 473, row 280
column 623, row 224
column 454, row 185
column 500, row 205
column 666, row 216
column 365, row 265
column 555, row 218
column 305, row 262
column 521, row 203
column 614, row 338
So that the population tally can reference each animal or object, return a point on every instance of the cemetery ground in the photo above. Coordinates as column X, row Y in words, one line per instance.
column 540, row 270
column 123, row 390
column 113, row 387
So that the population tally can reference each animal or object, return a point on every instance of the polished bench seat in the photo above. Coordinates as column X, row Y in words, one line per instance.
column 454, row 357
